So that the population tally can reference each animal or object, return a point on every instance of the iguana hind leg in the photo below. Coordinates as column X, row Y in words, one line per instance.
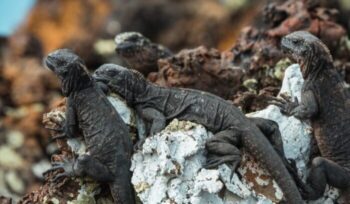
column 323, row 172
column 271, row 130
column 83, row 165
column 222, row 149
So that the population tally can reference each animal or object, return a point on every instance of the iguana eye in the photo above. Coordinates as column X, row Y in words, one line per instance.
column 111, row 72
column 295, row 41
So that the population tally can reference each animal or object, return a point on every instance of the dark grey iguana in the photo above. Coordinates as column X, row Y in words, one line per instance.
column 139, row 52
column 232, row 129
column 325, row 100
column 106, row 135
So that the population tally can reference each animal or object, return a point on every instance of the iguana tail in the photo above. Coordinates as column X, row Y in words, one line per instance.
column 260, row 148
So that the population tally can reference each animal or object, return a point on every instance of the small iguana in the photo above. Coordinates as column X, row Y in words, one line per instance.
column 139, row 52
column 232, row 129
column 106, row 135
column 325, row 100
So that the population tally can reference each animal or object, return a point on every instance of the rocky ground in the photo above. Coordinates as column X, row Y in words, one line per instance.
column 243, row 65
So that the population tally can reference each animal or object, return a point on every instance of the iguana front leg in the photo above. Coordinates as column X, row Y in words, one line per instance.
column 155, row 121
column 155, row 118
column 304, row 110
column 69, row 126
column 84, row 165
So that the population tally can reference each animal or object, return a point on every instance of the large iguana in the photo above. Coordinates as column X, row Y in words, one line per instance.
column 325, row 100
column 106, row 135
column 232, row 129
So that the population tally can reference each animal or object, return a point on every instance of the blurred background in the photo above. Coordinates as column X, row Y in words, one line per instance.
column 243, row 33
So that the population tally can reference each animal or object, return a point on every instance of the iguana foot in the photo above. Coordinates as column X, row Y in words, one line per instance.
column 65, row 165
column 285, row 104
column 138, row 145
column 61, row 130
column 59, row 136
column 213, row 161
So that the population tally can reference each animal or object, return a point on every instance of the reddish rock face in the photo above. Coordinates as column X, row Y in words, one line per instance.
column 202, row 69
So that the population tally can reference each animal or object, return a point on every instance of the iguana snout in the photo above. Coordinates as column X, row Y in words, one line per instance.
column 60, row 60
column 70, row 69
column 130, row 44
column 109, row 72
column 295, row 46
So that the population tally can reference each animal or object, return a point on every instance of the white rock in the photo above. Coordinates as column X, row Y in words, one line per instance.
column 296, row 134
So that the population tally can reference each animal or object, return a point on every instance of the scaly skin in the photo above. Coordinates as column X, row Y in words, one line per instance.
column 232, row 129
column 139, row 52
column 325, row 100
column 107, row 137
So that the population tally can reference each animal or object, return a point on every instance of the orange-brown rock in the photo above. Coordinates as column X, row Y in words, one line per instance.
column 200, row 68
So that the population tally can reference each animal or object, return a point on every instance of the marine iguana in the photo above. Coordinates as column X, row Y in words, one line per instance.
column 325, row 100
column 232, row 129
column 139, row 52
column 107, row 137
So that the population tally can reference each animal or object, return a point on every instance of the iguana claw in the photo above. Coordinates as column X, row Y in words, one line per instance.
column 285, row 104
column 66, row 165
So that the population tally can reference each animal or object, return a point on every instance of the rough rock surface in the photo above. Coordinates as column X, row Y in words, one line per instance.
column 169, row 167
column 200, row 68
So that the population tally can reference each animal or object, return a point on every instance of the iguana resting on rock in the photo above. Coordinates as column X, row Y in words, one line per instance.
column 107, row 137
column 325, row 100
column 139, row 52
column 232, row 129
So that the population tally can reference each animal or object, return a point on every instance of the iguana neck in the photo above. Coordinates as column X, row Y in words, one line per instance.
column 76, row 82
column 135, row 92
column 149, row 92
column 314, row 65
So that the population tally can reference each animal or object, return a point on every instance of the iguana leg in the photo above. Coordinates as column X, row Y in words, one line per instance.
column 69, row 126
column 306, row 109
column 155, row 122
column 324, row 171
column 104, row 87
column 222, row 149
column 84, row 165
column 154, row 117
column 271, row 130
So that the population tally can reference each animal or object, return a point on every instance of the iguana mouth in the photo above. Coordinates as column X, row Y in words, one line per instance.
column 294, row 57
column 48, row 64
column 100, row 79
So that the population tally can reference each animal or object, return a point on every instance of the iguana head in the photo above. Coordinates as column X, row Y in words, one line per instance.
column 128, row 83
column 70, row 69
column 307, row 50
column 139, row 52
